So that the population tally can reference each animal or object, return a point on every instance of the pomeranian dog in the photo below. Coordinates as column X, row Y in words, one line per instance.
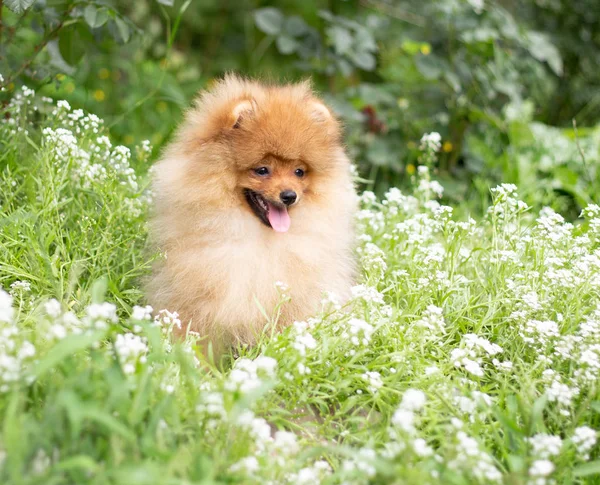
column 254, row 190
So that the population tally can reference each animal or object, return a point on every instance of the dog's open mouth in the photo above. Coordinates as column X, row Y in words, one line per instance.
column 271, row 214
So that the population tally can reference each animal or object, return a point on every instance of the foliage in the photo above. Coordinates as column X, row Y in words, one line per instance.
column 469, row 352
column 392, row 70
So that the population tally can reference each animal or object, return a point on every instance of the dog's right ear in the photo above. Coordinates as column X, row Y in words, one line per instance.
column 241, row 111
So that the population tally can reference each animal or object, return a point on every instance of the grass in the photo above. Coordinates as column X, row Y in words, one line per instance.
column 469, row 353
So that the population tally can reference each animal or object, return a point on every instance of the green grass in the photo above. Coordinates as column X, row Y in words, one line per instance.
column 469, row 354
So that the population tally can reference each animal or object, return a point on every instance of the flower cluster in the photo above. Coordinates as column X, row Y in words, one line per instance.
column 471, row 352
column 130, row 349
column 248, row 375
column 15, row 353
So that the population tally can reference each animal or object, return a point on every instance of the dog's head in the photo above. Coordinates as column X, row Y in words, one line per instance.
column 279, row 142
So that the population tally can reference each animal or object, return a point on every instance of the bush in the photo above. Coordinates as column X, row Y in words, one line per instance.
column 392, row 70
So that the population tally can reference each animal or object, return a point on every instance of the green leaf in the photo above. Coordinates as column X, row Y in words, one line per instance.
column 78, row 462
column 89, row 14
column 543, row 50
column 537, row 413
column 341, row 39
column 591, row 468
column 453, row 80
column 365, row 40
column 429, row 66
column 123, row 29
column 64, row 349
column 269, row 20
column 516, row 463
column 71, row 45
column 56, row 60
column 286, row 44
column 363, row 60
column 99, row 288
column 295, row 26
column 18, row 6
column 168, row 3
column 95, row 17
column 108, row 421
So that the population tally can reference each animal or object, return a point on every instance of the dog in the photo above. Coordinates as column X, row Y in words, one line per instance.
column 255, row 189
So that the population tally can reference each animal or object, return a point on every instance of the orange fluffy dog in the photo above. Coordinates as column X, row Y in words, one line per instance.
column 255, row 189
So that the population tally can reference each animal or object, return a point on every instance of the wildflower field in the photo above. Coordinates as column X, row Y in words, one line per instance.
column 469, row 353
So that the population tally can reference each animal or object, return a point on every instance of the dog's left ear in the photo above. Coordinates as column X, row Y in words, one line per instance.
column 242, row 110
column 319, row 112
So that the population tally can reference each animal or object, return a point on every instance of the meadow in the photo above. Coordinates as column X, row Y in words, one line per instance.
column 468, row 354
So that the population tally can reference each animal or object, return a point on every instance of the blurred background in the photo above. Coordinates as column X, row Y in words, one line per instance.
column 512, row 86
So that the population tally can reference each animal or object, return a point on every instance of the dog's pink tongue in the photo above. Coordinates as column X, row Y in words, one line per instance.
column 279, row 218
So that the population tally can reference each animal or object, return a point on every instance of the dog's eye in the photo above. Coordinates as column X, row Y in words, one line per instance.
column 262, row 171
column 299, row 172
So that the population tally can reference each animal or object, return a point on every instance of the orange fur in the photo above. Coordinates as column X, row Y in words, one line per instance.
column 220, row 258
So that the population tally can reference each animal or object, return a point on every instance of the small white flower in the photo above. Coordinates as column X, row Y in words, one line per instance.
column 421, row 447
column 23, row 286
column 52, row 308
column 248, row 466
column 413, row 400
column 584, row 438
column 141, row 313
column 541, row 468
column 545, row 445
column 6, row 309
column 130, row 350
column 404, row 420
column 374, row 380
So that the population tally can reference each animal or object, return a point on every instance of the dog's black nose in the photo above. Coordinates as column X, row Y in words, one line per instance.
column 288, row 197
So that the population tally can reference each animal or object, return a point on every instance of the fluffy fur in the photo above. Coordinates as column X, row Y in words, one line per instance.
column 222, row 261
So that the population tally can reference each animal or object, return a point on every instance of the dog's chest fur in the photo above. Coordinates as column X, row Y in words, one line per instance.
column 222, row 277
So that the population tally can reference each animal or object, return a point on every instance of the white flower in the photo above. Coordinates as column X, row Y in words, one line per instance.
column 404, row 420
column 64, row 105
column 244, row 377
column 561, row 393
column 52, row 308
column 23, row 286
column 367, row 293
column 368, row 198
column 432, row 322
column 361, row 462
column 421, row 447
column 7, row 311
column 167, row 321
column 130, row 349
column 545, row 445
column 359, row 332
column 541, row 468
column 100, row 313
column 374, row 380
column 470, row 457
column 212, row 405
column 286, row 443
column 303, row 342
column 248, row 466
column 413, row 400
column 431, row 141
column 141, row 313
column 584, row 438
column 311, row 475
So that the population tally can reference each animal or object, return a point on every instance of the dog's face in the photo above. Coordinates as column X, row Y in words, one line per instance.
column 273, row 187
column 281, row 149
